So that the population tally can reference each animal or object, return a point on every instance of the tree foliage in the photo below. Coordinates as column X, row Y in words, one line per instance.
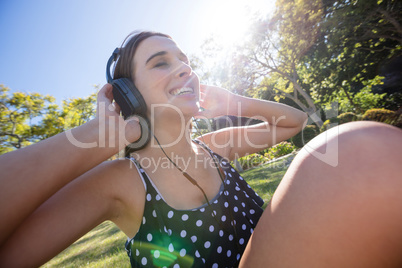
column 26, row 118
column 311, row 53
column 357, row 39
column 272, row 57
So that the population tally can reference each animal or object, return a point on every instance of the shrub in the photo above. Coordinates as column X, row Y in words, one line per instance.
column 328, row 124
column 340, row 119
column 278, row 150
column 252, row 160
column 384, row 116
column 346, row 117
column 307, row 134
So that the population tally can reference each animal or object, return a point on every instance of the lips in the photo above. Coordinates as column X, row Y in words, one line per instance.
column 181, row 91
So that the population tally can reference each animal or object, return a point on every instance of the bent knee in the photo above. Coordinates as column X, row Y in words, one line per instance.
column 348, row 212
column 356, row 163
column 367, row 140
column 371, row 130
column 363, row 177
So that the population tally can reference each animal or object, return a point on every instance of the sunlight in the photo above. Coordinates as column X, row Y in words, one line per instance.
column 229, row 28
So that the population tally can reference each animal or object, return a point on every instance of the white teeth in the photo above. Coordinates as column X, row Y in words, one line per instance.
column 180, row 91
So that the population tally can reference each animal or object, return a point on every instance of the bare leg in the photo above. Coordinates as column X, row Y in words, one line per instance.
column 349, row 215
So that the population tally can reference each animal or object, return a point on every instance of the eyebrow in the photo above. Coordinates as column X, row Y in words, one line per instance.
column 160, row 53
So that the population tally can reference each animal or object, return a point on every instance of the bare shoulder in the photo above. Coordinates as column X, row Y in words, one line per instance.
column 120, row 178
column 123, row 184
column 118, row 188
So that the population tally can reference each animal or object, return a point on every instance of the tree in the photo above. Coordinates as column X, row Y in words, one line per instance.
column 356, row 40
column 272, row 59
column 18, row 113
column 315, row 52
column 73, row 113
column 26, row 118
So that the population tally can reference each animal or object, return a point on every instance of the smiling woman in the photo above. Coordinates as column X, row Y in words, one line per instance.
column 181, row 203
column 196, row 211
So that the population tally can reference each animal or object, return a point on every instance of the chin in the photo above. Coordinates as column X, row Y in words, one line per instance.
column 190, row 110
column 180, row 110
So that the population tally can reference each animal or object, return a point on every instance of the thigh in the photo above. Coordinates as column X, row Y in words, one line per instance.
column 344, row 214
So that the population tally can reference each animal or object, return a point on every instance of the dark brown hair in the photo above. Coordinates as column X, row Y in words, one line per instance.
column 124, row 65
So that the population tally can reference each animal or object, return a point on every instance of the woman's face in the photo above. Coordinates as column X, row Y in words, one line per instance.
column 163, row 75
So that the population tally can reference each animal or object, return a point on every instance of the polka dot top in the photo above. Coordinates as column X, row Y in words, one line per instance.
column 213, row 235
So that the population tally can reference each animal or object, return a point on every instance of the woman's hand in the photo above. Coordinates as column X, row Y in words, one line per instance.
column 110, row 121
column 105, row 105
column 280, row 122
column 215, row 102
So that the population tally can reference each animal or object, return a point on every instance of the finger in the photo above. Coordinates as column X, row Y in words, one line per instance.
column 203, row 114
column 105, row 94
column 203, row 88
column 109, row 91
column 106, row 89
column 202, row 96
column 117, row 107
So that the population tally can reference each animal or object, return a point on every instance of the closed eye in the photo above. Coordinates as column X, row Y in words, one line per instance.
column 160, row 64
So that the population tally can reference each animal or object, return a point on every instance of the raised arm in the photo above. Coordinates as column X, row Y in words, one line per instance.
column 31, row 175
column 111, row 191
column 280, row 122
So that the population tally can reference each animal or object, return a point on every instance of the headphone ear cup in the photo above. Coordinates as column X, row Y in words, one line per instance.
column 128, row 98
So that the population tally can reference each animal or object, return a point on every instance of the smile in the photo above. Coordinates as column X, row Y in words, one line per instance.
column 181, row 91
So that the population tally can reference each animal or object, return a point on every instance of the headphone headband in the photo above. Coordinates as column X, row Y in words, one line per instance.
column 112, row 58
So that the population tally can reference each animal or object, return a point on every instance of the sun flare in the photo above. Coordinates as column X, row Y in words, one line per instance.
column 229, row 21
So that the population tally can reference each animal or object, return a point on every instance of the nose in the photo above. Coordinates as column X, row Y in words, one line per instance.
column 183, row 69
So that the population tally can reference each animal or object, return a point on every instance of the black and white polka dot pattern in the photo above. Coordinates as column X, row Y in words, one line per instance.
column 201, row 237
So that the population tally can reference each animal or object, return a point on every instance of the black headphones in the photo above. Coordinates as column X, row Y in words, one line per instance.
column 130, row 101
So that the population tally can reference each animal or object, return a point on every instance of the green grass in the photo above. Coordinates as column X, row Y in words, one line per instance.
column 104, row 245
column 265, row 179
column 101, row 247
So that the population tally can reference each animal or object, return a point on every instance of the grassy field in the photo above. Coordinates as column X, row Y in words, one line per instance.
column 104, row 245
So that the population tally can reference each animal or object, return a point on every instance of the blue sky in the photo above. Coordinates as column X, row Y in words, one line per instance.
column 61, row 47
